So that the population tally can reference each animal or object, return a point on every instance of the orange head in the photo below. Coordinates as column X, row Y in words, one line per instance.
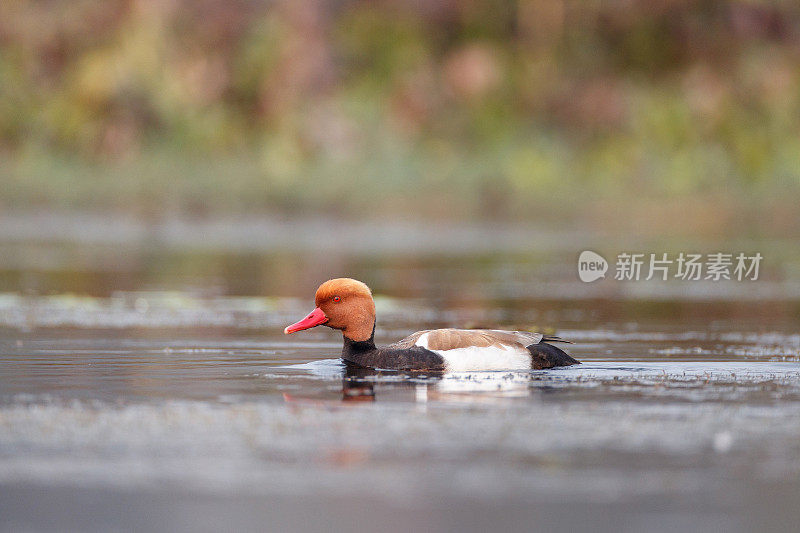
column 344, row 304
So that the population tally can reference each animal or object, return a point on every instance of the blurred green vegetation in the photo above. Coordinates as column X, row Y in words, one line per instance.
column 460, row 108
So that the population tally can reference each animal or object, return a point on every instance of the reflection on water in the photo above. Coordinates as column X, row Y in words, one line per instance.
column 736, row 381
column 358, row 384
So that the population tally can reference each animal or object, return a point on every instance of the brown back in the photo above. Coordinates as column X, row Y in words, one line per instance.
column 451, row 339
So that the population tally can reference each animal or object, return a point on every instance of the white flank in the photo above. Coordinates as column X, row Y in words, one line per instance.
column 477, row 358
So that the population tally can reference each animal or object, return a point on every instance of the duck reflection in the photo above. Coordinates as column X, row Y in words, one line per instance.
column 357, row 390
column 358, row 385
column 355, row 385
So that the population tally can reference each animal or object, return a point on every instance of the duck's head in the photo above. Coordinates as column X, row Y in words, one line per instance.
column 342, row 303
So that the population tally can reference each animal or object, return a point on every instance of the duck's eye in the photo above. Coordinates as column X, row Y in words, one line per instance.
column 336, row 298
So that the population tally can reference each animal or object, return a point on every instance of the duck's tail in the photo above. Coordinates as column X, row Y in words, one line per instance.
column 545, row 355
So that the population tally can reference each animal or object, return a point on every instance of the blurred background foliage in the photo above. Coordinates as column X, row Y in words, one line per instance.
column 444, row 108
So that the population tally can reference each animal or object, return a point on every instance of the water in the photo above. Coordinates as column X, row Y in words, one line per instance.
column 157, row 392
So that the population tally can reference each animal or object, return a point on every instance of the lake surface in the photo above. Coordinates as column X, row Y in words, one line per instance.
column 150, row 387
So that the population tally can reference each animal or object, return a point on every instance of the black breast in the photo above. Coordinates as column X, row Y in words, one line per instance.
column 365, row 354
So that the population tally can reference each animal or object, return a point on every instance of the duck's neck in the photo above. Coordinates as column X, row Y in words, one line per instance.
column 360, row 325
column 358, row 351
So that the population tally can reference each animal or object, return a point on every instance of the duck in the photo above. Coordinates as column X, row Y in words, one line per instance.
column 347, row 305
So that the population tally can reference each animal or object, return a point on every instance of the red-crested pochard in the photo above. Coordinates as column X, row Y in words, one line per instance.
column 347, row 305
